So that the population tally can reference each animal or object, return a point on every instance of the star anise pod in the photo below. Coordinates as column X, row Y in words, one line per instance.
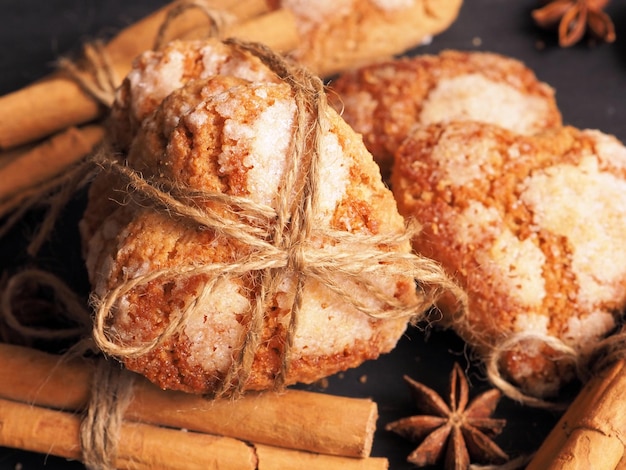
column 574, row 17
column 456, row 433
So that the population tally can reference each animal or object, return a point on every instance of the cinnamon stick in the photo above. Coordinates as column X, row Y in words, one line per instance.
column 592, row 432
column 271, row 458
column 140, row 446
column 276, row 29
column 25, row 170
column 11, row 155
column 143, row 446
column 59, row 102
column 294, row 419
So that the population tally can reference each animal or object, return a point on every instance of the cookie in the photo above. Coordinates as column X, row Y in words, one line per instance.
column 533, row 227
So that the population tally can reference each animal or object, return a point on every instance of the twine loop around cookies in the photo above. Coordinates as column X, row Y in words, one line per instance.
column 494, row 374
column 217, row 19
column 287, row 243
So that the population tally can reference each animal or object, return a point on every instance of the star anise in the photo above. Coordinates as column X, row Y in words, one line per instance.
column 574, row 17
column 456, row 434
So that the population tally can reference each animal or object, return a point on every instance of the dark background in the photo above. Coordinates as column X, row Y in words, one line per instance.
column 590, row 81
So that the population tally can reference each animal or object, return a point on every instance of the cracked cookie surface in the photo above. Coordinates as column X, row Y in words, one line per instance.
column 531, row 226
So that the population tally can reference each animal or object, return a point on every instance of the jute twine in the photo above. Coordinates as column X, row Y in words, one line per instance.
column 95, row 74
column 111, row 392
column 217, row 19
column 284, row 241
column 499, row 350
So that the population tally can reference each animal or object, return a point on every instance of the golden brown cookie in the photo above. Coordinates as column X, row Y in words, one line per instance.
column 534, row 228
column 385, row 101
column 231, row 137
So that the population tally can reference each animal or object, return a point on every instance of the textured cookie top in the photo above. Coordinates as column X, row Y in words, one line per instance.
column 385, row 101
column 156, row 74
column 531, row 226
column 232, row 137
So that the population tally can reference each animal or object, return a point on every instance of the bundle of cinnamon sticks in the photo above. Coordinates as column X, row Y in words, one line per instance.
column 41, row 395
